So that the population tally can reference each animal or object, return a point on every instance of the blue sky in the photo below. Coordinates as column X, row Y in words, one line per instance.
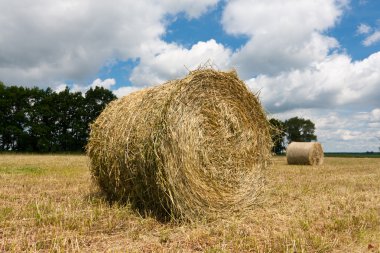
column 314, row 59
column 358, row 12
column 188, row 32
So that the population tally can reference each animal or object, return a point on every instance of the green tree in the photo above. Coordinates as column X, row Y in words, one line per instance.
column 278, row 134
column 68, row 125
column 96, row 100
column 13, row 102
column 27, row 142
column 32, row 119
column 43, row 120
column 299, row 129
column 3, row 109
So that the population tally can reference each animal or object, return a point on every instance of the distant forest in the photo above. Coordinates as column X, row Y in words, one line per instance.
column 37, row 120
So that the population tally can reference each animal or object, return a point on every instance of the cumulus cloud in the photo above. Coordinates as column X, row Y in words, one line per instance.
column 123, row 91
column 334, row 82
column 175, row 61
column 284, row 35
column 254, row 17
column 44, row 42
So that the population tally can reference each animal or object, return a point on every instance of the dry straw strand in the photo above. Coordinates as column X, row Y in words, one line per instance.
column 309, row 153
column 189, row 148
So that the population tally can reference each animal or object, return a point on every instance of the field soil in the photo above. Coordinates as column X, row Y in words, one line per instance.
column 48, row 204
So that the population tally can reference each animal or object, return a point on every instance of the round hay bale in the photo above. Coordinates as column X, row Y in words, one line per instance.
column 188, row 148
column 310, row 153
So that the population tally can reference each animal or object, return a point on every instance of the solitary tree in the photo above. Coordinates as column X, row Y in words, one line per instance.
column 299, row 129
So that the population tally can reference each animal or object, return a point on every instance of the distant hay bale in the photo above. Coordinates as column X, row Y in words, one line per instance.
column 188, row 148
column 310, row 153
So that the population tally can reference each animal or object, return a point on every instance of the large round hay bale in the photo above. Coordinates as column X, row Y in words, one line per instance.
column 310, row 153
column 190, row 147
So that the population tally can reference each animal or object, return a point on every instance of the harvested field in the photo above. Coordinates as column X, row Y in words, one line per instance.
column 47, row 203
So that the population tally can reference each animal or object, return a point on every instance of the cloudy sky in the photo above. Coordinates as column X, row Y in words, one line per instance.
column 315, row 59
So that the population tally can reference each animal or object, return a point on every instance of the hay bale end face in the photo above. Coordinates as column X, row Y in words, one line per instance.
column 188, row 148
column 309, row 153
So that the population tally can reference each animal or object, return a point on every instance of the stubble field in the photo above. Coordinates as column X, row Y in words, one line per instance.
column 47, row 203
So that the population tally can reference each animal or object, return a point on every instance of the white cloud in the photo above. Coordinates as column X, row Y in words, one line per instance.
column 44, row 42
column 372, row 39
column 334, row 82
column 271, row 56
column 107, row 84
column 372, row 35
column 255, row 17
column 175, row 61
column 284, row 35
column 372, row 116
column 123, row 91
column 349, row 135
column 363, row 29
column 375, row 115
column 60, row 87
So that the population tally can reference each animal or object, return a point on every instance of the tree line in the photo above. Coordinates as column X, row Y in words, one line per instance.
column 37, row 120
column 293, row 129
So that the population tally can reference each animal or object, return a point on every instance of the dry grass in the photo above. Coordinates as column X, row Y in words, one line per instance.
column 47, row 204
